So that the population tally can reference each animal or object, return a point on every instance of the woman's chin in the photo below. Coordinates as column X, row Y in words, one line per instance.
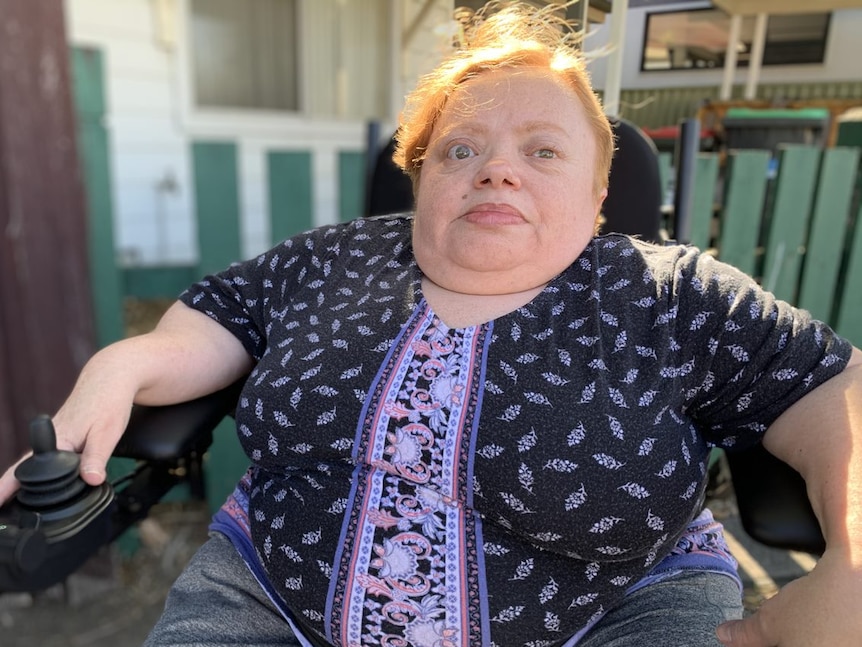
column 489, row 279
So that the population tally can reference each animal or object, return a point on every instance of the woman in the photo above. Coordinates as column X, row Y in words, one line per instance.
column 481, row 424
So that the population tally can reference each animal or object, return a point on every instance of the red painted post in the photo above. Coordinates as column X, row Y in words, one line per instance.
column 46, row 316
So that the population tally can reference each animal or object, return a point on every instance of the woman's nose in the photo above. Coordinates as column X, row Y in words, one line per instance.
column 498, row 172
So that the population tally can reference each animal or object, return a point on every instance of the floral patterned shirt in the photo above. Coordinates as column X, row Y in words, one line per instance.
column 498, row 484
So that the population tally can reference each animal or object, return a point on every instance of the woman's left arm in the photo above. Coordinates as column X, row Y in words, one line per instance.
column 821, row 437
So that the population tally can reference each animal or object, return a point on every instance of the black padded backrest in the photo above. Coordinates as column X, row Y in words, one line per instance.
column 634, row 201
column 389, row 188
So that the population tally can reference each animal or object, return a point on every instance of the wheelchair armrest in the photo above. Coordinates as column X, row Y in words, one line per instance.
column 773, row 501
column 166, row 433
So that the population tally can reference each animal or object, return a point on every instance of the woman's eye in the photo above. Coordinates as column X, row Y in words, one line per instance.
column 545, row 153
column 460, row 152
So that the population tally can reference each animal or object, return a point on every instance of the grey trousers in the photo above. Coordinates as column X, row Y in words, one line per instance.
column 681, row 611
column 217, row 602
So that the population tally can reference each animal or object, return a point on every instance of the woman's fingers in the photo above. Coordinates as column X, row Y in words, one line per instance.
column 8, row 483
column 95, row 442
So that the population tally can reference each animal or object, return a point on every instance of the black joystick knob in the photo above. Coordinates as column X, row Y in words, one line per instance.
column 50, row 476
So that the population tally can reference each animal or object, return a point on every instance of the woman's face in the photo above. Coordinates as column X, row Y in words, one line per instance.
column 506, row 196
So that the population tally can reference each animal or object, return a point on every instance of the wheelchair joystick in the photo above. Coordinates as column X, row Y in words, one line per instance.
column 49, row 477
column 56, row 519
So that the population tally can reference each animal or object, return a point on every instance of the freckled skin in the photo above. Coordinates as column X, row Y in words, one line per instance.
column 505, row 199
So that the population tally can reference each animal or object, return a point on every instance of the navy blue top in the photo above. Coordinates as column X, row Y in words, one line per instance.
column 504, row 483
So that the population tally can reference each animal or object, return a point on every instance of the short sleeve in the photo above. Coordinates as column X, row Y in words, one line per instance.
column 762, row 354
column 247, row 297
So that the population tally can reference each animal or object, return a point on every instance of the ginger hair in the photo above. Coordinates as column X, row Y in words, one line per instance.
column 503, row 35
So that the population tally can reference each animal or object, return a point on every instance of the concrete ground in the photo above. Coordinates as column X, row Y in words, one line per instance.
column 113, row 601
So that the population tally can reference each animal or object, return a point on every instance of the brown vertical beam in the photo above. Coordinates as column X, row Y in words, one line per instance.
column 46, row 318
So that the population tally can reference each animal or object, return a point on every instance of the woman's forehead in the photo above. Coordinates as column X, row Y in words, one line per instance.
column 537, row 96
column 506, row 80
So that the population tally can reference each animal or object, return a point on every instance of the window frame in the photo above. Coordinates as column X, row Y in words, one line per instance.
column 294, row 41
column 741, row 61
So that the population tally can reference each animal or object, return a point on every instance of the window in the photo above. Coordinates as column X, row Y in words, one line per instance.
column 244, row 54
column 697, row 39
column 248, row 55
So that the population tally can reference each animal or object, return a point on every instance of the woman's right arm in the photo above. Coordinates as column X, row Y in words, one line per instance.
column 186, row 356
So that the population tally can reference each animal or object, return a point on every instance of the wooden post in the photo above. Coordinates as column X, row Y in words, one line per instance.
column 46, row 315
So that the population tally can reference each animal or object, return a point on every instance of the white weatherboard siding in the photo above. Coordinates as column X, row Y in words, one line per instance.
column 152, row 122
column 149, row 152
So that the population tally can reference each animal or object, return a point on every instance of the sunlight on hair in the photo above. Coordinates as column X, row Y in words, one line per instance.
column 502, row 35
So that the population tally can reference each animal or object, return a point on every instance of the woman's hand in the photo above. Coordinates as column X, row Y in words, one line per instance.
column 91, row 420
column 188, row 355
column 821, row 437
column 821, row 608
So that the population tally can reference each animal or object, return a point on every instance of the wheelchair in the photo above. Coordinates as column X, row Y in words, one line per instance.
column 56, row 521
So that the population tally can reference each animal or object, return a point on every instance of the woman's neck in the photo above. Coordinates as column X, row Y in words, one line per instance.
column 460, row 310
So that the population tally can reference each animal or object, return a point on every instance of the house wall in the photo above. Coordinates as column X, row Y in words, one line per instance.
column 154, row 127
column 841, row 64
column 148, row 153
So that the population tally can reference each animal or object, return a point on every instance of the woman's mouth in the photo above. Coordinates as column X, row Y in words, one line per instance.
column 492, row 213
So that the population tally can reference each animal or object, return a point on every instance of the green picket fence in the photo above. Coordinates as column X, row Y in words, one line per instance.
column 796, row 228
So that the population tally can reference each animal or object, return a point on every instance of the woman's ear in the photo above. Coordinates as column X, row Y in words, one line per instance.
column 602, row 195
column 600, row 219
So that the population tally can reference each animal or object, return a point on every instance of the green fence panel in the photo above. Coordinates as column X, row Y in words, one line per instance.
column 88, row 88
column 849, row 132
column 351, row 185
column 158, row 281
column 849, row 322
column 827, row 237
column 665, row 171
column 94, row 150
column 291, row 209
column 703, row 203
column 744, row 199
column 217, row 200
column 788, row 220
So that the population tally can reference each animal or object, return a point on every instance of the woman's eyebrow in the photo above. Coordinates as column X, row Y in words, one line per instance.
column 544, row 126
column 456, row 129
column 478, row 127
column 466, row 127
